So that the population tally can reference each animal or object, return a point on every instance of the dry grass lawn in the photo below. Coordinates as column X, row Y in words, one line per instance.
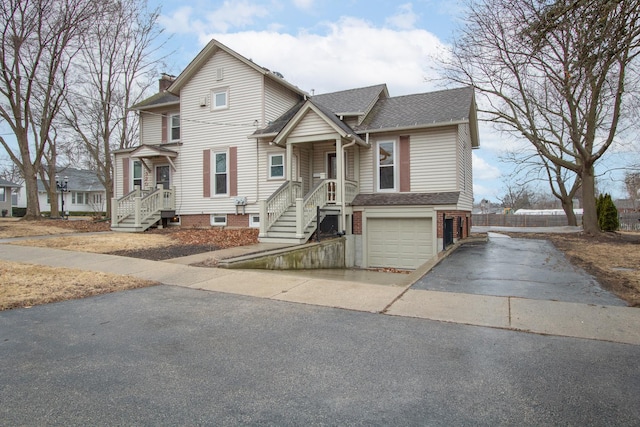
column 25, row 285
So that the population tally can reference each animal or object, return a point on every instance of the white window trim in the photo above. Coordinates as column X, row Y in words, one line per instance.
column 395, row 166
column 216, row 91
column 171, row 116
column 218, row 224
column 284, row 171
column 252, row 222
column 213, row 173
column 3, row 194
column 132, row 174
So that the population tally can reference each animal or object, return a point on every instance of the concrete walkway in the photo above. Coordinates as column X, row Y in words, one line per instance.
column 391, row 295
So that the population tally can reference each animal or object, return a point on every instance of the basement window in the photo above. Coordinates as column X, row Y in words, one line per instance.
column 218, row 220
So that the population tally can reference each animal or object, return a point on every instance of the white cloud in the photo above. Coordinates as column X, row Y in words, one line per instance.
column 230, row 15
column 405, row 19
column 303, row 4
column 484, row 170
column 351, row 53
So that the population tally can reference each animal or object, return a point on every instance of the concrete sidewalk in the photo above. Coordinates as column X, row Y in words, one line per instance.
column 394, row 297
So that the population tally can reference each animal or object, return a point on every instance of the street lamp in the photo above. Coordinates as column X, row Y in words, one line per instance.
column 62, row 187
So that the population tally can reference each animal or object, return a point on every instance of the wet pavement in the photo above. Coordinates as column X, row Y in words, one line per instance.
column 524, row 268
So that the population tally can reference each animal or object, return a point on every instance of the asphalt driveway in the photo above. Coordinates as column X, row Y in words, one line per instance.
column 525, row 268
column 177, row 356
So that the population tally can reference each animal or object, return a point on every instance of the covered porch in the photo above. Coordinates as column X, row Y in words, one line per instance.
column 152, row 199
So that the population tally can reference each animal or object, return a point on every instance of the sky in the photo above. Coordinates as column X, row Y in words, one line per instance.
column 329, row 45
column 326, row 46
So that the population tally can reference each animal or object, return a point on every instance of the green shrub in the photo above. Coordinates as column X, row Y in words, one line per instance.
column 607, row 213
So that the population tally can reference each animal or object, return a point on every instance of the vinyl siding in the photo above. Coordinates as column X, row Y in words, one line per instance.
column 311, row 124
column 151, row 126
column 433, row 161
column 277, row 100
column 465, row 168
column 251, row 97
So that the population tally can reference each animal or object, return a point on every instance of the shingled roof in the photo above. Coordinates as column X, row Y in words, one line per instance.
column 352, row 101
column 441, row 107
column 5, row 183
column 79, row 180
column 406, row 199
column 157, row 100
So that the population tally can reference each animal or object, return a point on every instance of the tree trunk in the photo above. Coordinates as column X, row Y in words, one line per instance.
column 31, row 186
column 567, row 206
column 590, row 217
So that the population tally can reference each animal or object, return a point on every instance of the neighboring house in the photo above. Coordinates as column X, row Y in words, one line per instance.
column 6, row 194
column 230, row 143
column 85, row 193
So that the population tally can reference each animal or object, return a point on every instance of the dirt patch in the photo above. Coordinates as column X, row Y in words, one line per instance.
column 612, row 258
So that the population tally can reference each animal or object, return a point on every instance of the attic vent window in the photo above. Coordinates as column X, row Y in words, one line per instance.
column 219, row 74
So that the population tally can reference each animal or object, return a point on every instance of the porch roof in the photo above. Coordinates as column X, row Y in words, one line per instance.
column 406, row 199
column 5, row 183
column 149, row 151
column 144, row 150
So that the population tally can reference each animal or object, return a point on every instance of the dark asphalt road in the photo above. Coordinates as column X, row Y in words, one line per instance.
column 524, row 268
column 176, row 356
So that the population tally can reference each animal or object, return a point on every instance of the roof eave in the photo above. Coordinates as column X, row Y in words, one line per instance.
column 413, row 127
column 154, row 106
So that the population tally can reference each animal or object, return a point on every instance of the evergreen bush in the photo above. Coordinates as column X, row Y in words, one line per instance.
column 607, row 213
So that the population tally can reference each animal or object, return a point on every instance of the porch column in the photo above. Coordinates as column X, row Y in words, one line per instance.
column 289, row 164
column 339, row 174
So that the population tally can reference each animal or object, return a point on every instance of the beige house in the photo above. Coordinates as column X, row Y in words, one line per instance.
column 230, row 143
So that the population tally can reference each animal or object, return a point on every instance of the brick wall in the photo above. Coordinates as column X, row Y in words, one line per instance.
column 204, row 220
column 201, row 220
column 357, row 223
column 457, row 216
column 234, row 220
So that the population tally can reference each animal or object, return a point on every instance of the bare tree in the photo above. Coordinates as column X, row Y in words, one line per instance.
column 632, row 185
column 38, row 42
column 564, row 183
column 517, row 195
column 117, row 65
column 555, row 73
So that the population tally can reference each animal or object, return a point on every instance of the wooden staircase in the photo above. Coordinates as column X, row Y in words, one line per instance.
column 284, row 230
column 141, row 209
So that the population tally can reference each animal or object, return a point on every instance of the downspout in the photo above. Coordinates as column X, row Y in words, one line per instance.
column 343, row 184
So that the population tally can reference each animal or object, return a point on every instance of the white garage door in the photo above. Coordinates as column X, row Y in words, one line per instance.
column 399, row 242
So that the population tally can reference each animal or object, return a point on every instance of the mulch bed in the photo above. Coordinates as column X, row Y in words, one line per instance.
column 166, row 252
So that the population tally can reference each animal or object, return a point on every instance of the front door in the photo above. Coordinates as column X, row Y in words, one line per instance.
column 331, row 166
column 163, row 176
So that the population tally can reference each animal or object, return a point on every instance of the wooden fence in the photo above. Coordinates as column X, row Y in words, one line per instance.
column 628, row 221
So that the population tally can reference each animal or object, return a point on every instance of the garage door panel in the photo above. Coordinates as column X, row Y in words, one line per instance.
column 399, row 242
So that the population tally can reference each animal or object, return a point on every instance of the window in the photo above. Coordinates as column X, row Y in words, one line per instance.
column 219, row 99
column 276, row 166
column 78, row 198
column 220, row 173
column 97, row 198
column 3, row 197
column 218, row 219
column 254, row 220
column 137, row 173
column 386, row 165
column 174, row 126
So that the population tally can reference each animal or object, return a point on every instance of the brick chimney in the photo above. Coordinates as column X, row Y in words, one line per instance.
column 165, row 81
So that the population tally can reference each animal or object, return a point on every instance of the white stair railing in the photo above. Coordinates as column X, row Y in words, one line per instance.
column 306, row 209
column 141, row 205
column 272, row 208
